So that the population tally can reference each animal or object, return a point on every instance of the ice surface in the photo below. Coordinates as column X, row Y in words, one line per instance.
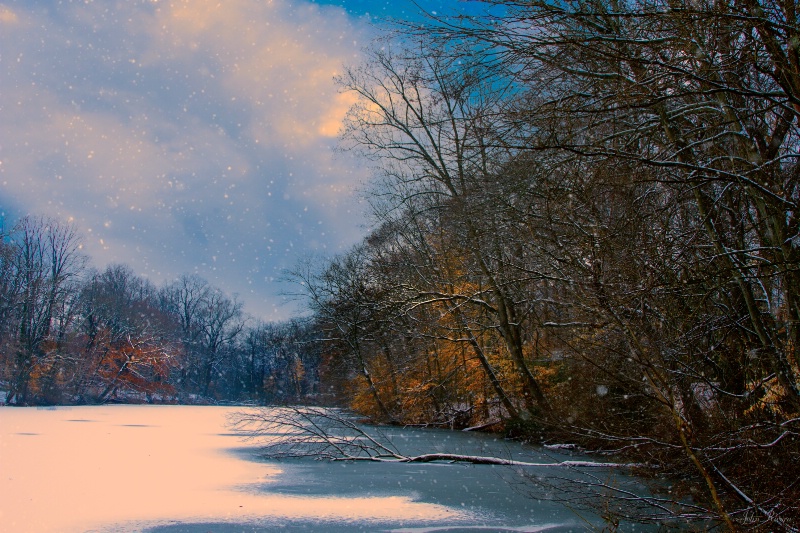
column 178, row 469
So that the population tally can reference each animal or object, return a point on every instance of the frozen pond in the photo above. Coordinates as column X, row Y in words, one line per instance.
column 171, row 469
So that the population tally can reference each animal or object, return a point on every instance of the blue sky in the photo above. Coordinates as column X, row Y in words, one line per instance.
column 187, row 136
column 404, row 9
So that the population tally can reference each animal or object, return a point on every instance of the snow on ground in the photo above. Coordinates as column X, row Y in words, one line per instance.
column 123, row 468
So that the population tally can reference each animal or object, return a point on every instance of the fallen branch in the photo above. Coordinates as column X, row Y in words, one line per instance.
column 482, row 426
column 482, row 460
column 332, row 434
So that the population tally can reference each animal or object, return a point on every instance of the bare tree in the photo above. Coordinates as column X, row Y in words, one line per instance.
column 128, row 345
column 602, row 198
column 47, row 257
column 433, row 126
column 220, row 323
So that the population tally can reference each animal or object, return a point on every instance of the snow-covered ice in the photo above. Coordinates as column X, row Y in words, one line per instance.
column 175, row 469
column 81, row 468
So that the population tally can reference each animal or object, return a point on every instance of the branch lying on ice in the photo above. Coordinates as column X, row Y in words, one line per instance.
column 482, row 426
column 291, row 432
column 483, row 460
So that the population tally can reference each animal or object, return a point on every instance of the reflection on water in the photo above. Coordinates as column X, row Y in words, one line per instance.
column 175, row 469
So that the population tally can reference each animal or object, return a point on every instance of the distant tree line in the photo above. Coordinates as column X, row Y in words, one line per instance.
column 72, row 335
column 586, row 227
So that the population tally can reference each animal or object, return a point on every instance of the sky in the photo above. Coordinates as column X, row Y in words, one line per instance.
column 188, row 136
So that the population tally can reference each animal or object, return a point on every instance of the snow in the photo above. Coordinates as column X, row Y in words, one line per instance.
column 179, row 469
column 82, row 468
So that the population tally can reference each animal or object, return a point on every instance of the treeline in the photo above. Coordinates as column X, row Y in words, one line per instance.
column 73, row 335
column 586, row 227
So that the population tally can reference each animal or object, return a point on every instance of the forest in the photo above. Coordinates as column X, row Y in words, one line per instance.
column 70, row 334
column 584, row 229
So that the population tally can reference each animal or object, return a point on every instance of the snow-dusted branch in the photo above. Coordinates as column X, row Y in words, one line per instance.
column 333, row 434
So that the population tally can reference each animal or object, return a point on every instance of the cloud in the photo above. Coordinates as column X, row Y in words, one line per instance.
column 7, row 16
column 182, row 136
column 273, row 60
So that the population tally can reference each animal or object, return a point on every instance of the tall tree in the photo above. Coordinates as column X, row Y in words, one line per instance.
column 47, row 258
column 432, row 126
